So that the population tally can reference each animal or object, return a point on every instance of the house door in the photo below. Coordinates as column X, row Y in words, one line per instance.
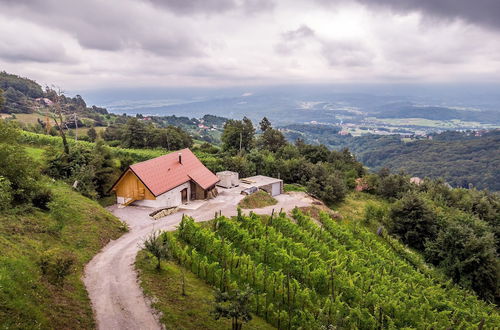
column 184, row 195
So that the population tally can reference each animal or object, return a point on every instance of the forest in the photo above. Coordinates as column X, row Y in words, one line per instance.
column 461, row 158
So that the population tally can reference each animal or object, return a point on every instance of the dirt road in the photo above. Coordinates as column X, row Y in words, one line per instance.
column 110, row 277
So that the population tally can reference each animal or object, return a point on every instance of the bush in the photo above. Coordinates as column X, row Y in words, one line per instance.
column 375, row 213
column 56, row 265
column 467, row 254
column 42, row 198
column 5, row 193
column 257, row 200
column 413, row 220
column 331, row 189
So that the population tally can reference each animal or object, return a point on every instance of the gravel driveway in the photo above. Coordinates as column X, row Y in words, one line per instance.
column 110, row 277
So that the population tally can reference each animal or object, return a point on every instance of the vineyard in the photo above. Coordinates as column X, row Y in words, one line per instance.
column 311, row 275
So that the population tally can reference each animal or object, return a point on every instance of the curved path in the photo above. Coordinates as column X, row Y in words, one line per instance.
column 111, row 279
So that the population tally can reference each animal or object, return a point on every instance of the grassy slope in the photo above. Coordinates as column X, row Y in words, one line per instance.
column 182, row 312
column 294, row 187
column 35, row 153
column 257, row 200
column 28, row 299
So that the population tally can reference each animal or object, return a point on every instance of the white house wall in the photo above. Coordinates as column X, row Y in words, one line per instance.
column 169, row 199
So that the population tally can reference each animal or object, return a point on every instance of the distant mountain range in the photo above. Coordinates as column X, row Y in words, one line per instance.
column 325, row 104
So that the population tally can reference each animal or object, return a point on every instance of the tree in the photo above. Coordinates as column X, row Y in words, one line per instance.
column 19, row 174
column 265, row 124
column 413, row 220
column 2, row 100
column 135, row 134
column 157, row 245
column 272, row 140
column 330, row 188
column 170, row 138
column 92, row 134
column 57, row 115
column 103, row 164
column 238, row 135
column 393, row 185
column 234, row 305
column 467, row 254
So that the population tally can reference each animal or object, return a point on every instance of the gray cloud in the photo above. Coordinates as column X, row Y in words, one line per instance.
column 110, row 26
column 175, row 42
column 27, row 53
column 187, row 7
column 303, row 31
column 350, row 53
column 479, row 12
column 293, row 40
column 346, row 53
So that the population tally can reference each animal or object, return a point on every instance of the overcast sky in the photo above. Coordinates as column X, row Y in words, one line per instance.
column 124, row 43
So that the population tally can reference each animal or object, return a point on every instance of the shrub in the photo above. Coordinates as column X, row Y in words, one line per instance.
column 375, row 213
column 42, row 198
column 5, row 193
column 330, row 189
column 56, row 265
column 257, row 200
column 467, row 254
column 413, row 220
column 157, row 245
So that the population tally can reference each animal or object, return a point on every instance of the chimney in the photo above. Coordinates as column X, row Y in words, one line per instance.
column 180, row 158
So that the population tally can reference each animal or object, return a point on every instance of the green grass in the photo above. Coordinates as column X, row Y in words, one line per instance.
column 294, row 187
column 182, row 312
column 35, row 153
column 75, row 225
column 352, row 209
column 29, row 118
column 257, row 200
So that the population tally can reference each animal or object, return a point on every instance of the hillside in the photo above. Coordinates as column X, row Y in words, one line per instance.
column 307, row 273
column 26, row 102
column 48, row 232
column 460, row 158
column 73, row 230
column 462, row 162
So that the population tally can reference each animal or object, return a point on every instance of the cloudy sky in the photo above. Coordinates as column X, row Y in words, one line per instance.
column 125, row 43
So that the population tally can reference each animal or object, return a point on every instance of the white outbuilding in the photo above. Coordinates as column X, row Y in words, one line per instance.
column 228, row 179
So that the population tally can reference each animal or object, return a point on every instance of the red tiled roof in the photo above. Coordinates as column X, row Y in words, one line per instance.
column 164, row 173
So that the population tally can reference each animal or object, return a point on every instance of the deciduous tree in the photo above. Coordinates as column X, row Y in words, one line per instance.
column 234, row 305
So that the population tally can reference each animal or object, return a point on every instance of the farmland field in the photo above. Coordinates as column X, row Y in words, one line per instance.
column 309, row 275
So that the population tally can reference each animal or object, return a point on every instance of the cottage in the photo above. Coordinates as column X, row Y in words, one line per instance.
column 166, row 181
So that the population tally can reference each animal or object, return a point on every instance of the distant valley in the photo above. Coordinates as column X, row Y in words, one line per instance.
column 356, row 111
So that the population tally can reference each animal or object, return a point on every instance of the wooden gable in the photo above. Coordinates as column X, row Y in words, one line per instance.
column 130, row 186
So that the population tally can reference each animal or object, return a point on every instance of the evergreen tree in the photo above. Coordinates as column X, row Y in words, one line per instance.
column 272, row 140
column 265, row 124
column 135, row 134
column 92, row 134
column 413, row 220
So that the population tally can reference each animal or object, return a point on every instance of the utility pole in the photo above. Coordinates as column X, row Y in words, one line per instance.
column 241, row 137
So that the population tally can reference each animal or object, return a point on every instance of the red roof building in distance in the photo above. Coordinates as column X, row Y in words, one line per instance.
column 166, row 181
